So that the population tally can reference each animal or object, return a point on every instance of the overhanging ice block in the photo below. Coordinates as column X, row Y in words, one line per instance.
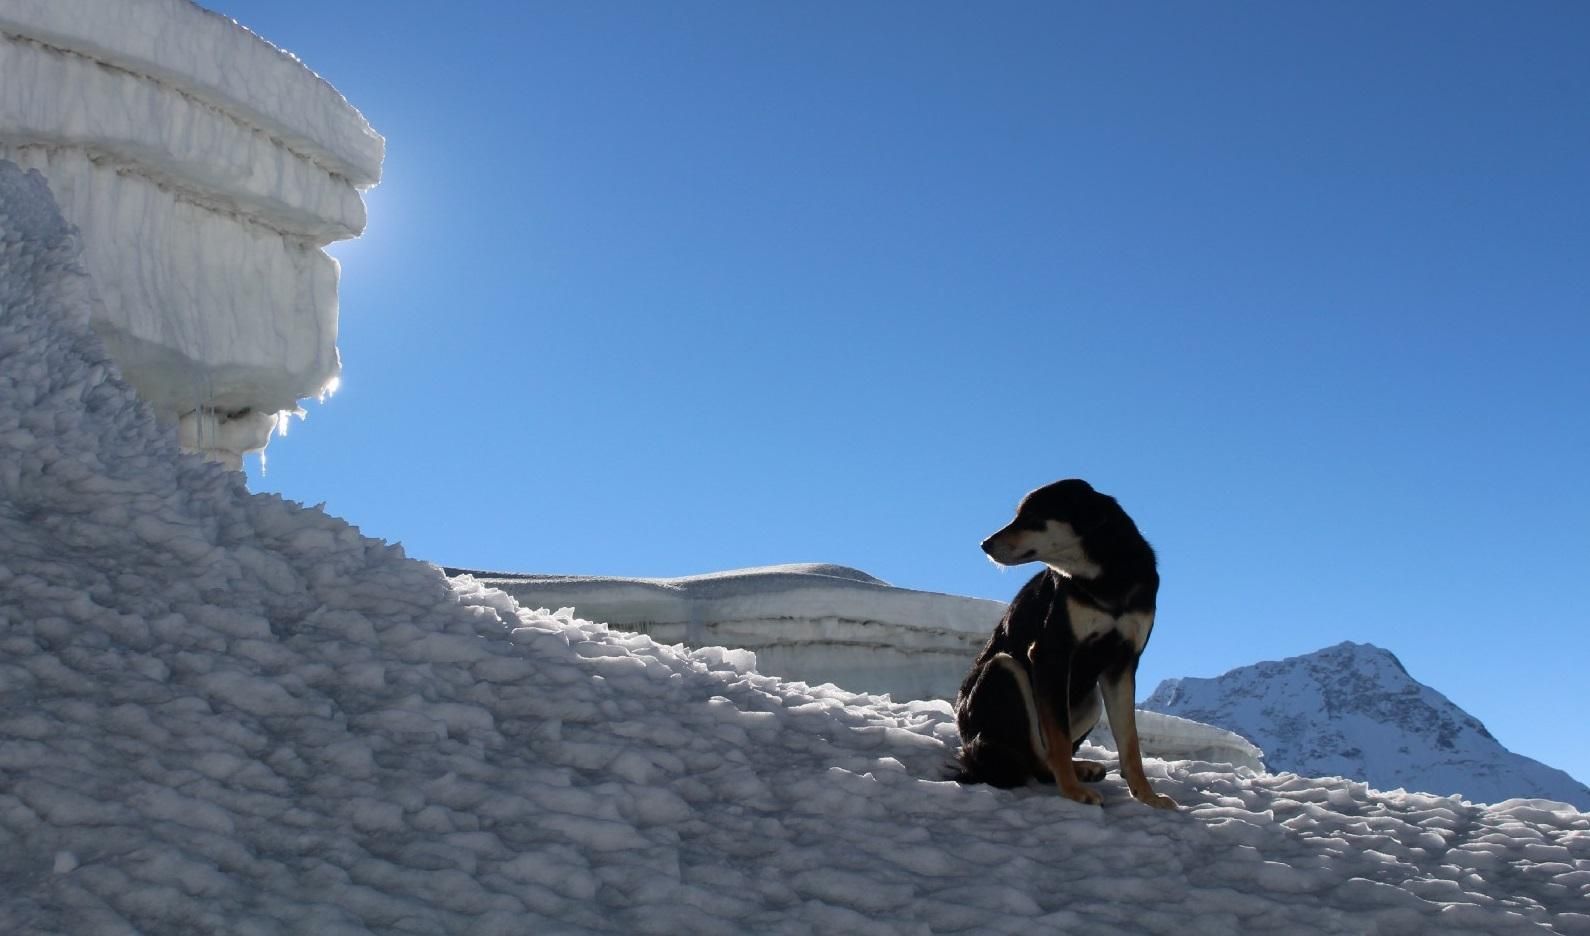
column 205, row 170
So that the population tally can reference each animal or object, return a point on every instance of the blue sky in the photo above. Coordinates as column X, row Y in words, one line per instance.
column 656, row 289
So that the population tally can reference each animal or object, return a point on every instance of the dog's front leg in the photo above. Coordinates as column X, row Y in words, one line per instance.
column 1120, row 701
column 1056, row 723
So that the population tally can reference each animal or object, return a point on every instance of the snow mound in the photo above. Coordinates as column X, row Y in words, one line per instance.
column 753, row 580
column 205, row 169
column 1171, row 738
column 223, row 712
column 816, row 622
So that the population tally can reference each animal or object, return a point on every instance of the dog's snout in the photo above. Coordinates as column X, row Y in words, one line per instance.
column 1000, row 547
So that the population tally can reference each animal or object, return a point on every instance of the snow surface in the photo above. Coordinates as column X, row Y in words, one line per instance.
column 224, row 712
column 1353, row 710
column 205, row 170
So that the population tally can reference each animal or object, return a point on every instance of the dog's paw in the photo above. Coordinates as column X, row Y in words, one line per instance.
column 1083, row 795
column 1089, row 772
column 1157, row 800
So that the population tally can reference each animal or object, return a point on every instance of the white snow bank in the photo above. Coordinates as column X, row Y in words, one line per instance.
column 222, row 712
column 205, row 169
column 813, row 622
column 1171, row 738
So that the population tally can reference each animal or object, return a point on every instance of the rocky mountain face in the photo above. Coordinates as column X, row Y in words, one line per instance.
column 1352, row 710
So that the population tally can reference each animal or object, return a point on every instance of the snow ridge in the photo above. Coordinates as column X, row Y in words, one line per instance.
column 223, row 712
column 1353, row 710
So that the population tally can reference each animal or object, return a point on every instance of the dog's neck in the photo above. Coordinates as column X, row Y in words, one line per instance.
column 1114, row 575
column 1075, row 564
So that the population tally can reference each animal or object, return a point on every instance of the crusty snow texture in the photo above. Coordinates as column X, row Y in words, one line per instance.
column 224, row 713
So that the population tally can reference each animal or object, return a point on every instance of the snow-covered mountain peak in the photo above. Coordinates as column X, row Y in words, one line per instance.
column 1343, row 678
column 1353, row 710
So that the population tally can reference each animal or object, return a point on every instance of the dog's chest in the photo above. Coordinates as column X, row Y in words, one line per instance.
column 1089, row 623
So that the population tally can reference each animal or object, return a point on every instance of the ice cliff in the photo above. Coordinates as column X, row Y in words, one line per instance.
column 205, row 169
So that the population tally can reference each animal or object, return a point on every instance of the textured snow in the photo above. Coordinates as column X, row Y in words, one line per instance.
column 1352, row 710
column 224, row 712
column 205, row 170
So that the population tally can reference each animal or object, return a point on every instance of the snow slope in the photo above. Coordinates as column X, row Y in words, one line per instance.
column 205, row 169
column 1352, row 710
column 225, row 713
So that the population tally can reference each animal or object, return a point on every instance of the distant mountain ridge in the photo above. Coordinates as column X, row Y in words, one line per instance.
column 1353, row 710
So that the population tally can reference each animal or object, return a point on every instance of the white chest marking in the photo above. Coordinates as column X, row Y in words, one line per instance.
column 1088, row 623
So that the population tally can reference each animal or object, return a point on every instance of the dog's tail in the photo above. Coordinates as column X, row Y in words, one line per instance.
column 984, row 761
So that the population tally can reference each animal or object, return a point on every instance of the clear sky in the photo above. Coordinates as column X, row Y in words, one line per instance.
column 665, row 288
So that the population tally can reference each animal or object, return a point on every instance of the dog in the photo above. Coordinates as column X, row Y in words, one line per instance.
column 1073, row 633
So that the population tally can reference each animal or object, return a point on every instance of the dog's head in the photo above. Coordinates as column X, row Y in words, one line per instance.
column 1050, row 526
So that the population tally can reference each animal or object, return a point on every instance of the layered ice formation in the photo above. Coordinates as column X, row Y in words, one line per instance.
column 810, row 621
column 221, row 712
column 206, row 170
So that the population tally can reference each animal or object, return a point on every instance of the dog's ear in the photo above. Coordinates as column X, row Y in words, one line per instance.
column 1107, row 507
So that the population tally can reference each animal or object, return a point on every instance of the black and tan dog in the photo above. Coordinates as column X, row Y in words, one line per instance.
column 1073, row 633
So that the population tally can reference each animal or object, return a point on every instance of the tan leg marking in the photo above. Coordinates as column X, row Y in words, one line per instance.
column 1056, row 738
column 1119, row 697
